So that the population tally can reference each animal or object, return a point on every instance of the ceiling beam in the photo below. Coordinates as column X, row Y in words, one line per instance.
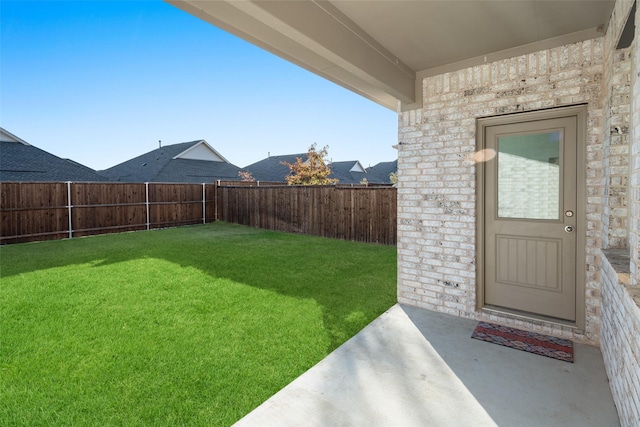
column 318, row 37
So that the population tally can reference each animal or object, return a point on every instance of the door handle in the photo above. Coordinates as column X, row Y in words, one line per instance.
column 569, row 229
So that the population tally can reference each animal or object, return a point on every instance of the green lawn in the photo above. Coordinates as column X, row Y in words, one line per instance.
column 187, row 326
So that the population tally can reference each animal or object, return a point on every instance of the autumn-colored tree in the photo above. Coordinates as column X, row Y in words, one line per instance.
column 313, row 171
column 246, row 176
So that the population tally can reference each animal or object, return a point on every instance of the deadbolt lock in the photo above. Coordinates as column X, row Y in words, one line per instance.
column 568, row 229
column 569, row 213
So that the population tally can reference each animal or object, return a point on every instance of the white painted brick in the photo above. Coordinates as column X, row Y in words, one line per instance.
column 561, row 76
column 439, row 160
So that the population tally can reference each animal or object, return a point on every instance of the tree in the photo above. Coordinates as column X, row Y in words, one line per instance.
column 246, row 176
column 313, row 171
column 393, row 177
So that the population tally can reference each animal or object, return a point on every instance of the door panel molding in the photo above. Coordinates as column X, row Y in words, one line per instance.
column 543, row 251
column 579, row 113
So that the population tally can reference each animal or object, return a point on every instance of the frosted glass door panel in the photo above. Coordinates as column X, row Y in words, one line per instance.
column 529, row 178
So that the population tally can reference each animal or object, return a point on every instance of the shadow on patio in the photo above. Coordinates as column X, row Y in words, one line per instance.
column 413, row 367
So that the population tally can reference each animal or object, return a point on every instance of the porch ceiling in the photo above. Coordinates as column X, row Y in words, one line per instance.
column 382, row 49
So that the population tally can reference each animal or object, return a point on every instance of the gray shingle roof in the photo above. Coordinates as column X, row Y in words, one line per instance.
column 271, row 169
column 381, row 172
column 159, row 165
column 20, row 162
column 342, row 171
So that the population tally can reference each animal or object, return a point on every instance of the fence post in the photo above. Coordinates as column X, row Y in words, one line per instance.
column 69, row 206
column 353, row 215
column 146, row 198
column 216, row 196
column 204, row 205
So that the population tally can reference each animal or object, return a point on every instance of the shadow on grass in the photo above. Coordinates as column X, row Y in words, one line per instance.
column 352, row 282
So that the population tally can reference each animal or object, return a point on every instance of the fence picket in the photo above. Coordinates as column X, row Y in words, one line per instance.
column 366, row 214
column 53, row 210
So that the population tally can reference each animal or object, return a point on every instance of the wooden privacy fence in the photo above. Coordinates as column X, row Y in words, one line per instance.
column 366, row 214
column 54, row 210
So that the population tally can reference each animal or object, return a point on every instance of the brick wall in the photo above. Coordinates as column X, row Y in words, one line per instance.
column 436, row 195
column 634, row 170
column 620, row 323
column 616, row 141
column 621, row 343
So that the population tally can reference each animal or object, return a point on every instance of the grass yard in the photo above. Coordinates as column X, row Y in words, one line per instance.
column 192, row 326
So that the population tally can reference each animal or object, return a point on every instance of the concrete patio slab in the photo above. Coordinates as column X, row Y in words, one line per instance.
column 412, row 367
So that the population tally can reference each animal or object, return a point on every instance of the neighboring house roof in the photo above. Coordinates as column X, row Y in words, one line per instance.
column 380, row 172
column 7, row 136
column 271, row 169
column 349, row 172
column 21, row 161
column 194, row 161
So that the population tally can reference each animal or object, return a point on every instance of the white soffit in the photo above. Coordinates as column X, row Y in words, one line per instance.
column 316, row 36
column 382, row 49
column 201, row 151
column 434, row 33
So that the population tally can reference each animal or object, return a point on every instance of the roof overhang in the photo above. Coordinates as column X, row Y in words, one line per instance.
column 382, row 49
column 6, row 136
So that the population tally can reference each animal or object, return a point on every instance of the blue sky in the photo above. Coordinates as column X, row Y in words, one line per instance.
column 101, row 82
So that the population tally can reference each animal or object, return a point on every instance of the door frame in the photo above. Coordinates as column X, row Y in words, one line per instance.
column 580, row 112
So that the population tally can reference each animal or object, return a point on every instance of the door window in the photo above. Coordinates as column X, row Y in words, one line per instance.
column 529, row 176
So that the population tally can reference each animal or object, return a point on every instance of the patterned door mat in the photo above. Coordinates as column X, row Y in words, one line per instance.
column 530, row 342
